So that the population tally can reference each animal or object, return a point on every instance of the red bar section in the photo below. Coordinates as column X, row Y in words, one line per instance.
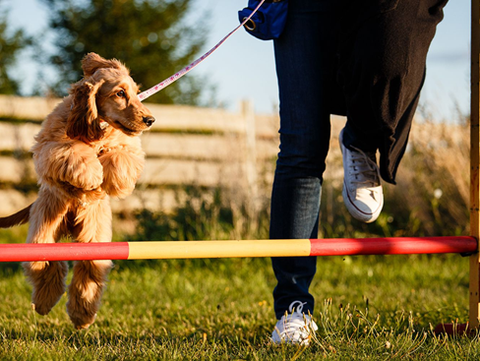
column 392, row 245
column 63, row 251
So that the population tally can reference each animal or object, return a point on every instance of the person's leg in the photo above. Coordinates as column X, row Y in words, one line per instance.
column 304, row 59
column 382, row 68
column 295, row 208
column 382, row 54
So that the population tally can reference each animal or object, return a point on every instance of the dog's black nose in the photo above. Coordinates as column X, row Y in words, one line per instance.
column 149, row 120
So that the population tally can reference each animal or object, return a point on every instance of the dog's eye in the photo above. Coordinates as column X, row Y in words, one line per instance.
column 121, row 94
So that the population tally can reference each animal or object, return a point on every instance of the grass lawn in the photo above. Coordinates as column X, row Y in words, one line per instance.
column 377, row 308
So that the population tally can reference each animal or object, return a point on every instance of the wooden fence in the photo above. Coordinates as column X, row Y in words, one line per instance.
column 186, row 146
column 194, row 146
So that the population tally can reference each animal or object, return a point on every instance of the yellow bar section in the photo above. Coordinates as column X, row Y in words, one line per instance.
column 219, row 249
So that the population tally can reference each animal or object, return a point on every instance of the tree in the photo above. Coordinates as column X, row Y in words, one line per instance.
column 11, row 43
column 152, row 37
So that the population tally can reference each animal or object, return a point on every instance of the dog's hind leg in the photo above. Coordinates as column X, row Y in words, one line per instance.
column 47, row 278
column 90, row 277
column 86, row 290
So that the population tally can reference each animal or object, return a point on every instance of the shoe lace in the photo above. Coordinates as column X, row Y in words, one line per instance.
column 296, row 317
column 296, row 324
column 364, row 168
column 298, row 309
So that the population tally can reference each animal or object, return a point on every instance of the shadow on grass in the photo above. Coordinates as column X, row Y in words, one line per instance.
column 9, row 269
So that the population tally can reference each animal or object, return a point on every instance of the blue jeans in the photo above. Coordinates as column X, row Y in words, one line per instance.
column 340, row 57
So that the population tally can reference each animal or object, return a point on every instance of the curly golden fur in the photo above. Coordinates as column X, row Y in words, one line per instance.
column 87, row 150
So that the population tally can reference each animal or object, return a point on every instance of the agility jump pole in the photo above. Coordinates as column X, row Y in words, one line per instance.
column 235, row 249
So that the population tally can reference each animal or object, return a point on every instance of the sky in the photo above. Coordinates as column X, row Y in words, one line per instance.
column 243, row 67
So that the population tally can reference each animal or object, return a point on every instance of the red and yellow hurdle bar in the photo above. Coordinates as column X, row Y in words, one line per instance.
column 236, row 248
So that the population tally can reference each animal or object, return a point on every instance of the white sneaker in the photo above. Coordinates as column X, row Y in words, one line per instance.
column 294, row 328
column 362, row 190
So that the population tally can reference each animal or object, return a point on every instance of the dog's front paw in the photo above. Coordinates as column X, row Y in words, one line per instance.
column 121, row 170
column 85, row 173
column 91, row 180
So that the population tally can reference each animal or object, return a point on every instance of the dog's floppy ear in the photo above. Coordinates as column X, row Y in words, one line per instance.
column 92, row 62
column 82, row 122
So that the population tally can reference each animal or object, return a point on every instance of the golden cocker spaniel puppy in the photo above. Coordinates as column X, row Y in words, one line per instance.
column 87, row 150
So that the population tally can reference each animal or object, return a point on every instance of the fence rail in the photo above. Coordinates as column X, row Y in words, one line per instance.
column 186, row 146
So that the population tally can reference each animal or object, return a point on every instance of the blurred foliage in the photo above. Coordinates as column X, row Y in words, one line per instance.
column 201, row 215
column 11, row 43
column 154, row 38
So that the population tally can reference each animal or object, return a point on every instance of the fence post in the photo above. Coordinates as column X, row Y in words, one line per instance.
column 474, row 312
column 250, row 158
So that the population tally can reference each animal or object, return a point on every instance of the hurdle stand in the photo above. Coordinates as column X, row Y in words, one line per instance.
column 474, row 287
column 467, row 245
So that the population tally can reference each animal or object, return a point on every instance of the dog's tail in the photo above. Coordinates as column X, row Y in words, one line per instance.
column 16, row 219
